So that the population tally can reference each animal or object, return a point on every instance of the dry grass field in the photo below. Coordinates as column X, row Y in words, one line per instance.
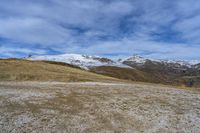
column 88, row 107
column 24, row 70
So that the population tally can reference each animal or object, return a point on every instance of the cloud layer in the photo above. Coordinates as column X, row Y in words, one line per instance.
column 153, row 28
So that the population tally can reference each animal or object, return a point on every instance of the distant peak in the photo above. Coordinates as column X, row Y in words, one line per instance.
column 136, row 58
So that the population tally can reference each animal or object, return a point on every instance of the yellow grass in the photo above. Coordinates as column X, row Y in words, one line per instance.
column 23, row 70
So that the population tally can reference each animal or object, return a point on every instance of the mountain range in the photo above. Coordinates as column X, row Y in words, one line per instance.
column 135, row 68
column 87, row 61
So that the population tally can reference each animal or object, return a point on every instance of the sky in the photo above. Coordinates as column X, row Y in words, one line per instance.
column 164, row 29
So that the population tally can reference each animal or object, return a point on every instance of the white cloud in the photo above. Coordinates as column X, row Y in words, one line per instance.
column 33, row 30
column 189, row 28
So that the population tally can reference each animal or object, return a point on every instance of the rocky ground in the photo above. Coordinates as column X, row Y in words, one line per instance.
column 97, row 107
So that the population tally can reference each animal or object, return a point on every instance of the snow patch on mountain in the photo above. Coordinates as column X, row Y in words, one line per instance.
column 136, row 59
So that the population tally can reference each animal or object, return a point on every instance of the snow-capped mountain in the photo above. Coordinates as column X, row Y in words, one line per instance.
column 87, row 62
column 136, row 59
column 83, row 61
column 139, row 61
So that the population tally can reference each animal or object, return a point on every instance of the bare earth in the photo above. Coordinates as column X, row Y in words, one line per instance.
column 97, row 107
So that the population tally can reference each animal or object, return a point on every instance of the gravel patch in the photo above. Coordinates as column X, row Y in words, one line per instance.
column 97, row 107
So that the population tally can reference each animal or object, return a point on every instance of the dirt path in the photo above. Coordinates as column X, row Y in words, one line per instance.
column 97, row 107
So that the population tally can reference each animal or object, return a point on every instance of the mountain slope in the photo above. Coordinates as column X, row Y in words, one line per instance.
column 136, row 75
column 22, row 70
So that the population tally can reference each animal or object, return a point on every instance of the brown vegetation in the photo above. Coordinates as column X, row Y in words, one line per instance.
column 148, row 74
column 23, row 70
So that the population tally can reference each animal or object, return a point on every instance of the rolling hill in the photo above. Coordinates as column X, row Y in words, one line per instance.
column 24, row 70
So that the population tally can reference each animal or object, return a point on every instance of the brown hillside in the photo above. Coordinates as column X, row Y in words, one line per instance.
column 147, row 74
column 23, row 70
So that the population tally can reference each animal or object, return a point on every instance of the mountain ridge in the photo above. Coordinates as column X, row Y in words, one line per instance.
column 87, row 61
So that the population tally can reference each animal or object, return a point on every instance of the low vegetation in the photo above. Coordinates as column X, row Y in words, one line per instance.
column 24, row 70
column 150, row 74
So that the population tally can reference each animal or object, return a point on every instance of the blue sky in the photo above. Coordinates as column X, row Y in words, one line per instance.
column 167, row 29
